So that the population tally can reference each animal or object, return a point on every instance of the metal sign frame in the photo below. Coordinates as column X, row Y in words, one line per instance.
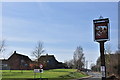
column 41, row 66
column 36, row 70
column 101, row 30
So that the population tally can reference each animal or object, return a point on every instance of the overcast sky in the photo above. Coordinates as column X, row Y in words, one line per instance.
column 61, row 26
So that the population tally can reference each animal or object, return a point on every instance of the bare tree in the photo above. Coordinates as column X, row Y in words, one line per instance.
column 78, row 58
column 38, row 50
column 118, row 62
column 108, row 62
column 2, row 46
column 69, row 63
column 108, row 48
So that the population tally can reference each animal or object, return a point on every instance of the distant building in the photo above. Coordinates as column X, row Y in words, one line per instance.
column 5, row 64
column 49, row 62
column 21, row 62
column 16, row 62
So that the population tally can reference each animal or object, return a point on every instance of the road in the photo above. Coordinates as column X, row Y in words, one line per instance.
column 95, row 76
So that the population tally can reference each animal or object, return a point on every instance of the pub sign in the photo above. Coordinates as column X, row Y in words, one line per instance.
column 101, row 29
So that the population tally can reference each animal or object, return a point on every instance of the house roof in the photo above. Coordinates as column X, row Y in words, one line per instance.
column 20, row 55
column 47, row 57
column 3, row 60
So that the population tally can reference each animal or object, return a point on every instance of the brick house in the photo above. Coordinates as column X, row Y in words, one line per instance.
column 5, row 65
column 49, row 62
column 17, row 61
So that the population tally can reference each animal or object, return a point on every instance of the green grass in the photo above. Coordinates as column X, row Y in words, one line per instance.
column 60, row 74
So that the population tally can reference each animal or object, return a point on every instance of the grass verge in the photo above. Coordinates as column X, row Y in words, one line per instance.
column 54, row 74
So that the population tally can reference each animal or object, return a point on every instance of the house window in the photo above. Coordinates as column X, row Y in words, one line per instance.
column 47, row 61
column 22, row 61
column 26, row 65
column 5, row 65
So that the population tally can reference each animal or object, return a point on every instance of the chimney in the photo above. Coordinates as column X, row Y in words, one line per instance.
column 15, row 52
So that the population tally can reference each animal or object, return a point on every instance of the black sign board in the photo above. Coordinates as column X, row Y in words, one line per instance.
column 101, row 29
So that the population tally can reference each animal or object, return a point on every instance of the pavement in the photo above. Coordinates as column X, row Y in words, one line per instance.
column 92, row 76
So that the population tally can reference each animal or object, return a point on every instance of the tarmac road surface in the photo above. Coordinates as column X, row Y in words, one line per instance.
column 95, row 76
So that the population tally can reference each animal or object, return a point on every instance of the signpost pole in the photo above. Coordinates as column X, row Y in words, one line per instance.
column 34, row 75
column 101, row 35
column 41, row 71
column 40, row 76
column 102, row 56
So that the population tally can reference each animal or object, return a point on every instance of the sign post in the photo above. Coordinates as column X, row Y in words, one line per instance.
column 41, row 70
column 102, row 57
column 101, row 35
column 38, row 71
column 41, row 66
